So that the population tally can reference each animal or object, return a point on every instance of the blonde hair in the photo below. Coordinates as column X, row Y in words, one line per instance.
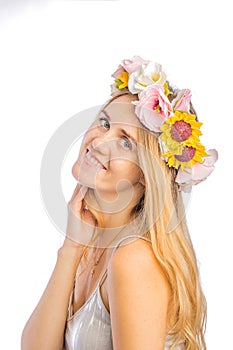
column 159, row 205
column 174, row 251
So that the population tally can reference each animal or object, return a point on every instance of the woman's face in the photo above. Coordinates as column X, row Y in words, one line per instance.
column 108, row 159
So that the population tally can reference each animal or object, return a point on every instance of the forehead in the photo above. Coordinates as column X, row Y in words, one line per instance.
column 123, row 112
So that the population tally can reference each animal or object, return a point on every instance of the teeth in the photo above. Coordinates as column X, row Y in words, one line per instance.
column 93, row 160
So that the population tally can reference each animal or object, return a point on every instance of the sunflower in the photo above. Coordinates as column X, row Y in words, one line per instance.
column 179, row 129
column 191, row 154
column 122, row 81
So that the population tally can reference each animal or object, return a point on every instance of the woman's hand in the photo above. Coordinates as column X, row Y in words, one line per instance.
column 81, row 223
column 45, row 328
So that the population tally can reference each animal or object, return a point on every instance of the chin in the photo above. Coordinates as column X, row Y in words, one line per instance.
column 83, row 178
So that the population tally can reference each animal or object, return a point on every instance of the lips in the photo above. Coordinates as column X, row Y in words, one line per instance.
column 91, row 158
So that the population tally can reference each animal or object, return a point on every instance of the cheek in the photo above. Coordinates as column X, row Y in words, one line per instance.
column 85, row 143
column 75, row 170
column 127, row 170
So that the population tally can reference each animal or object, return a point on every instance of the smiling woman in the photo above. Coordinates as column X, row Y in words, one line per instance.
column 140, row 287
column 108, row 159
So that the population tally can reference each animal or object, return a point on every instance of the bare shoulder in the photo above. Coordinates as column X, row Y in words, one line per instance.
column 138, row 294
column 137, row 257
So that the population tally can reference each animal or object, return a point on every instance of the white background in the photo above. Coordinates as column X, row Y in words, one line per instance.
column 56, row 59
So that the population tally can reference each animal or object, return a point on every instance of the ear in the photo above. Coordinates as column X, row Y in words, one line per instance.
column 142, row 180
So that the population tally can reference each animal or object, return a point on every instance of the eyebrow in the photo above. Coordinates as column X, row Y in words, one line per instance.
column 122, row 130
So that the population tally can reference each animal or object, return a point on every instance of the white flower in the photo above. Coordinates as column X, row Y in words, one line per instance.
column 147, row 74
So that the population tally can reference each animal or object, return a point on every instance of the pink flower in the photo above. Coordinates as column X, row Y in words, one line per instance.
column 182, row 101
column 199, row 172
column 118, row 72
column 129, row 66
column 132, row 65
column 153, row 107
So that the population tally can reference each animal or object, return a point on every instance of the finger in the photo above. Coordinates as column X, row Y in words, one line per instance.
column 81, row 193
column 76, row 202
column 79, row 198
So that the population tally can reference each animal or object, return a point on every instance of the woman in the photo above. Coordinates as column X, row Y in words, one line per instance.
column 135, row 285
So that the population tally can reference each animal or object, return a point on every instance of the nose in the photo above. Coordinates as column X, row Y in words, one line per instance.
column 98, row 143
column 103, row 143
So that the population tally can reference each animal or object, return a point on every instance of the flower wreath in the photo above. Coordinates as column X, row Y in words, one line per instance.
column 177, row 127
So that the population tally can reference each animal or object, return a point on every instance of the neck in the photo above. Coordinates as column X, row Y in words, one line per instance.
column 114, row 208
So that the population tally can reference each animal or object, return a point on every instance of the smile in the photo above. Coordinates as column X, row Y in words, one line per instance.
column 92, row 160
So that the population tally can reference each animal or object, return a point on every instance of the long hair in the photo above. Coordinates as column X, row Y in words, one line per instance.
column 163, row 217
column 172, row 246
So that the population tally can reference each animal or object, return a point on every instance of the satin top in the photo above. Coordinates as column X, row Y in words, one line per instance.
column 89, row 328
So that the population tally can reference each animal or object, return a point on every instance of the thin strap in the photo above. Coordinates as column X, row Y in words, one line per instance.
column 115, row 248
column 70, row 306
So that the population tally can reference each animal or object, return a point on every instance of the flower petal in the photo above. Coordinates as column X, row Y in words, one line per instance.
column 118, row 72
column 153, row 107
column 199, row 171
column 132, row 65
column 147, row 74
column 182, row 101
column 184, row 176
column 212, row 158
column 153, row 120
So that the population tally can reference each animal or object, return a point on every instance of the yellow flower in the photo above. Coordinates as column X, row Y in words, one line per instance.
column 179, row 129
column 190, row 155
column 167, row 92
column 122, row 81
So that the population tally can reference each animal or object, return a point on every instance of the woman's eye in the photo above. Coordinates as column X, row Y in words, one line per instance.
column 104, row 122
column 126, row 143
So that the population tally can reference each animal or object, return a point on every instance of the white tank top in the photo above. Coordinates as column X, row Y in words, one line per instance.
column 89, row 328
